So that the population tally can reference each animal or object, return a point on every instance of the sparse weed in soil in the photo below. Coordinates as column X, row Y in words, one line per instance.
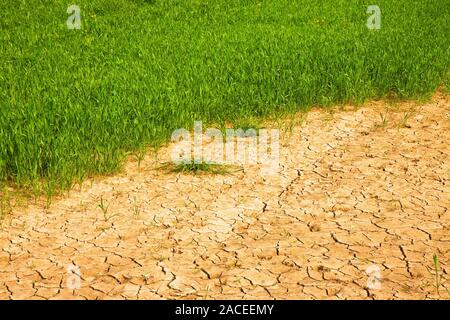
column 74, row 103
column 137, row 207
column 384, row 118
column 438, row 276
column 404, row 121
column 104, row 205
column 197, row 168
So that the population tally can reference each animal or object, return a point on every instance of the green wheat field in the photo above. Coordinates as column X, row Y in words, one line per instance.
column 76, row 103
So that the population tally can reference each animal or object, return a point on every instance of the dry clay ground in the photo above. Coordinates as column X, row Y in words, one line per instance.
column 354, row 193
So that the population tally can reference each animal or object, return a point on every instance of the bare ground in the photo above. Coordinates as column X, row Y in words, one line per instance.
column 354, row 192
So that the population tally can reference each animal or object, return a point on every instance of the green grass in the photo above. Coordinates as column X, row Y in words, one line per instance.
column 75, row 103
column 197, row 168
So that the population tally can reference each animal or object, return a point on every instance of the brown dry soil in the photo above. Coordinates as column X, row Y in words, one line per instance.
column 353, row 192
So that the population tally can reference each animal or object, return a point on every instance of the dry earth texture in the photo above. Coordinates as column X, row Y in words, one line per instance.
column 357, row 189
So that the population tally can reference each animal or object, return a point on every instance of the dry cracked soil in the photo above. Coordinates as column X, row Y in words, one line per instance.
column 357, row 210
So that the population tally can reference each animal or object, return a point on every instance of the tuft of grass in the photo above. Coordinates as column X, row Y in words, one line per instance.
column 197, row 168
column 137, row 207
column 384, row 119
column 104, row 206
column 288, row 121
column 404, row 120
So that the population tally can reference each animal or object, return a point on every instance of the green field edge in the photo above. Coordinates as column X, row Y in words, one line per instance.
column 44, row 191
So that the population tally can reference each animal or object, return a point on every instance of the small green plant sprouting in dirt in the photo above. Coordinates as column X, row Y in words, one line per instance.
column 438, row 277
column 437, row 274
column 293, row 120
column 384, row 120
column 136, row 208
column 140, row 155
column 404, row 121
column 104, row 205
column 196, row 168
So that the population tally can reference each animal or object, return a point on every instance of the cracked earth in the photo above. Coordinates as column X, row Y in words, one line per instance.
column 357, row 201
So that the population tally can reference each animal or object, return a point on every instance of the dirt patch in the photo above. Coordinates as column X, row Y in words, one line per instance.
column 357, row 210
